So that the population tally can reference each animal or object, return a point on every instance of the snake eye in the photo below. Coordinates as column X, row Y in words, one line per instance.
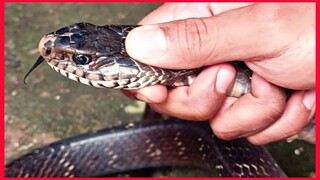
column 81, row 59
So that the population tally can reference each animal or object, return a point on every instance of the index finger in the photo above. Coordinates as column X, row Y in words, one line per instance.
column 176, row 11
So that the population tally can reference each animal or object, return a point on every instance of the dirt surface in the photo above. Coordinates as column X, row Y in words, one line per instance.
column 51, row 107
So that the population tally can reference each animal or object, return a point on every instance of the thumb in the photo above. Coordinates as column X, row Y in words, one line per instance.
column 190, row 43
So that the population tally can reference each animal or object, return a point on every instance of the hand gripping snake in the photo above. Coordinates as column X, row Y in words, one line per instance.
column 96, row 56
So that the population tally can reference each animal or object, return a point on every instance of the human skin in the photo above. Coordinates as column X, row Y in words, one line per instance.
column 275, row 40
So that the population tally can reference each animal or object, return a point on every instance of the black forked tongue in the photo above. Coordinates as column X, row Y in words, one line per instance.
column 39, row 61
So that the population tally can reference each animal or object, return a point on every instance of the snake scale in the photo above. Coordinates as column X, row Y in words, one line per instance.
column 96, row 56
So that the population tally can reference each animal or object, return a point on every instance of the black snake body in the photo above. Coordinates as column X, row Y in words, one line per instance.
column 169, row 142
column 95, row 55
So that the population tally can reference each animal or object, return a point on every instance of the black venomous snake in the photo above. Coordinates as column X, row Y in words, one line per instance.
column 95, row 55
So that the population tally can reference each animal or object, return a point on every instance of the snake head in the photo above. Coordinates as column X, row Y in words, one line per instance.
column 90, row 54
column 83, row 43
column 71, row 49
column 83, row 39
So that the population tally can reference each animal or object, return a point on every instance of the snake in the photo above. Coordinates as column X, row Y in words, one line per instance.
column 96, row 56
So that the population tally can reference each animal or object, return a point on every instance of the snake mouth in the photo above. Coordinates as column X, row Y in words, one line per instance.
column 85, row 77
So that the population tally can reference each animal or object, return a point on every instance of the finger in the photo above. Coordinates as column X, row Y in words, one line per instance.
column 177, row 11
column 219, row 7
column 129, row 93
column 242, row 33
column 250, row 113
column 203, row 98
column 295, row 117
column 150, row 94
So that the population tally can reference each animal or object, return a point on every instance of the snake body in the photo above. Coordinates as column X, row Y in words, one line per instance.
column 169, row 142
column 96, row 56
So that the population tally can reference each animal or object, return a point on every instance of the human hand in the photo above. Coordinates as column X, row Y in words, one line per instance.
column 276, row 41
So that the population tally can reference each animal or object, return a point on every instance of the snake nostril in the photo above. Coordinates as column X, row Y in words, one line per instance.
column 48, row 51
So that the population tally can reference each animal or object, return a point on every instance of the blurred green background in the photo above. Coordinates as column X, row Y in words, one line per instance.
column 51, row 107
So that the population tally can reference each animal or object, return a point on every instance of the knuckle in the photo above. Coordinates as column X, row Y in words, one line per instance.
column 273, row 111
column 293, row 127
column 268, row 16
column 203, row 112
column 292, row 130
column 193, row 37
column 221, row 131
column 271, row 13
column 278, row 20
column 273, row 17
column 192, row 33
column 272, row 105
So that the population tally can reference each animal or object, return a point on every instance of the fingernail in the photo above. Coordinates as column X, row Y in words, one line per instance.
column 309, row 99
column 140, row 97
column 224, row 79
column 146, row 42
